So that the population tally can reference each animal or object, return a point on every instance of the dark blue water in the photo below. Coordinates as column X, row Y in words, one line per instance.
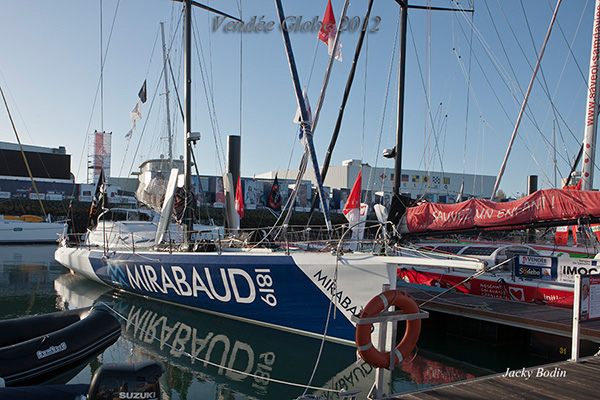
column 205, row 356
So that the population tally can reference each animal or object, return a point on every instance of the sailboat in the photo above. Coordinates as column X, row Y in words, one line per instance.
column 310, row 293
column 28, row 228
column 521, row 272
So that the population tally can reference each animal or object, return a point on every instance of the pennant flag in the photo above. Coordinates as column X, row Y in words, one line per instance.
column 328, row 31
column 298, row 116
column 97, row 200
column 353, row 202
column 274, row 201
column 356, row 212
column 135, row 115
column 239, row 199
column 142, row 93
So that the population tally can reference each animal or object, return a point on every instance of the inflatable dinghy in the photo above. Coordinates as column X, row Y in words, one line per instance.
column 111, row 381
column 35, row 349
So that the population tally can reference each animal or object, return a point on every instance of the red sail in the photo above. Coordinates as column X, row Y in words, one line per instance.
column 541, row 206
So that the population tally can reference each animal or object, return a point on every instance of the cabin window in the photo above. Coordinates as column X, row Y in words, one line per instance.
column 512, row 253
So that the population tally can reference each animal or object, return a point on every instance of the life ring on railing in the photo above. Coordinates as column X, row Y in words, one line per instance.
column 378, row 304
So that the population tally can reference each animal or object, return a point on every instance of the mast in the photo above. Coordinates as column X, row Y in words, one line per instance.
column 187, row 118
column 170, row 135
column 591, row 114
column 304, row 123
column 524, row 104
column 398, row 208
column 187, row 115
column 400, row 111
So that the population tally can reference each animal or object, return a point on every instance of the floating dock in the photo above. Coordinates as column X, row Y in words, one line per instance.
column 535, row 317
column 564, row 380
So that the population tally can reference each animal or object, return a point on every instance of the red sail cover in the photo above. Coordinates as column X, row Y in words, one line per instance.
column 541, row 206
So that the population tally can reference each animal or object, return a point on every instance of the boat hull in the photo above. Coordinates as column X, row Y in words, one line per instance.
column 498, row 286
column 296, row 292
column 13, row 231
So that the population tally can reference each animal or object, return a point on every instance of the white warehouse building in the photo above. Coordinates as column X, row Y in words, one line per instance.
column 435, row 186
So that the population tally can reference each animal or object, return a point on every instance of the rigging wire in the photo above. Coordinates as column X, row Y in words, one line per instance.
column 364, row 113
column 129, row 141
column 546, row 92
column 162, row 74
column 468, row 92
column 524, row 104
column 377, row 148
column 85, row 143
column 192, row 357
column 22, row 152
column 500, row 71
column 241, row 13
column 428, row 115
column 205, row 74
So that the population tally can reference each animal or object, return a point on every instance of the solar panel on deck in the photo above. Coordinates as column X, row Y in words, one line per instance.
column 449, row 249
column 479, row 250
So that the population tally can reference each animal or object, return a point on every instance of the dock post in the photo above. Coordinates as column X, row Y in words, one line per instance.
column 576, row 318
column 377, row 390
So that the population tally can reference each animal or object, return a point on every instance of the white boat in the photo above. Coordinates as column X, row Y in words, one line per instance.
column 522, row 272
column 124, row 228
column 29, row 229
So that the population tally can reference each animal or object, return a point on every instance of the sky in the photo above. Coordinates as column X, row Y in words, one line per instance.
column 466, row 77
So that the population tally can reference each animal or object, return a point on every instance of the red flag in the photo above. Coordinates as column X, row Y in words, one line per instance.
column 353, row 202
column 239, row 199
column 328, row 31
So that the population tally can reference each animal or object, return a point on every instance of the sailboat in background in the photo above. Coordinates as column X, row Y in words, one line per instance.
column 28, row 228
column 523, row 272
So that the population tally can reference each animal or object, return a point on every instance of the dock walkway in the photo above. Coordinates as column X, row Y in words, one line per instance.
column 564, row 380
column 530, row 316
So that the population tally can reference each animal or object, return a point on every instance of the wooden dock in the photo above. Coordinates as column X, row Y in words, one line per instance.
column 530, row 316
column 564, row 380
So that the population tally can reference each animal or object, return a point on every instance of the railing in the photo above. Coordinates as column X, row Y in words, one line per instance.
column 288, row 238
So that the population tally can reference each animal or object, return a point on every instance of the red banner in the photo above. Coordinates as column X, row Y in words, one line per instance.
column 541, row 206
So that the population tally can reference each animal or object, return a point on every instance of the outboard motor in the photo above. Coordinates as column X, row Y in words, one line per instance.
column 126, row 381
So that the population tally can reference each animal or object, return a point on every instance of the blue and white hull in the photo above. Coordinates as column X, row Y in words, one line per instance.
column 296, row 292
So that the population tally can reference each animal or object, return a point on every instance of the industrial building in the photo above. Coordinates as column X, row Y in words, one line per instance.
column 377, row 183
column 50, row 168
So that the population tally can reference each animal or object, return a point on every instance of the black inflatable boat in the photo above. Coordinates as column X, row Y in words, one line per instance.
column 111, row 381
column 35, row 349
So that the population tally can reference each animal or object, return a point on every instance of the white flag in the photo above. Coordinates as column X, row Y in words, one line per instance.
column 136, row 113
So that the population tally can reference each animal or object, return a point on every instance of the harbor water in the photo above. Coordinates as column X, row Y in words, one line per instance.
column 211, row 357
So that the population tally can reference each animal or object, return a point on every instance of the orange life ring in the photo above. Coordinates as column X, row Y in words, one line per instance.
column 378, row 304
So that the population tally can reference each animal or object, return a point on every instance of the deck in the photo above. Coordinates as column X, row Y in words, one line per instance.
column 564, row 380
column 530, row 316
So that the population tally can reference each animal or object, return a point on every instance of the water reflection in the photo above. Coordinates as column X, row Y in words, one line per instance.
column 239, row 356
column 224, row 351
column 27, row 274
column 206, row 352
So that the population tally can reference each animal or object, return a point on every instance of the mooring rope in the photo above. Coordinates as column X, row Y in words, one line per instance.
column 475, row 275
column 193, row 357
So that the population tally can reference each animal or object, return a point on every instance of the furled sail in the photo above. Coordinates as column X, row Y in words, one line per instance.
column 548, row 207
